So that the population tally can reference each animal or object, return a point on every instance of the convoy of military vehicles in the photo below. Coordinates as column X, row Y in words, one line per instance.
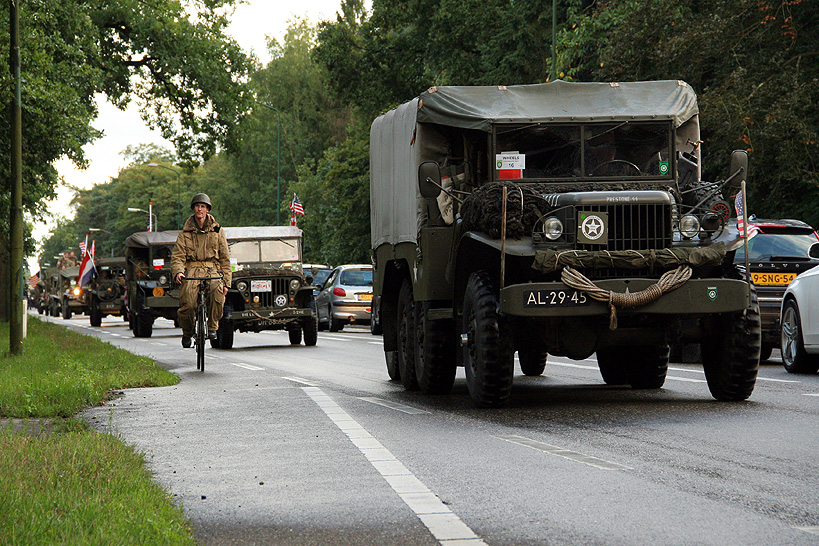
column 560, row 218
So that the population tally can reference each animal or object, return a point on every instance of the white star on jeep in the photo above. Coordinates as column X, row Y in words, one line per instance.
column 592, row 227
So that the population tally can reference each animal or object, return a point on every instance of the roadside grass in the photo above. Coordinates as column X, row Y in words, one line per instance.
column 73, row 485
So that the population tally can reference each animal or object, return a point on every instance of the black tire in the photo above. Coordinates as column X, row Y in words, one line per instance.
column 375, row 320
column 406, row 337
column 766, row 351
column 391, row 358
column 143, row 323
column 336, row 325
column 295, row 335
column 730, row 358
column 201, row 334
column 309, row 327
column 532, row 360
column 95, row 315
column 613, row 369
column 794, row 357
column 642, row 367
column 66, row 310
column 224, row 335
column 435, row 364
column 488, row 359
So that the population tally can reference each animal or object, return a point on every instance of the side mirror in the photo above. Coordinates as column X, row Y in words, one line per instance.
column 813, row 251
column 739, row 168
column 429, row 179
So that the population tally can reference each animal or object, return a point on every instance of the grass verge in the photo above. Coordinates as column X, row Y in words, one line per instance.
column 75, row 486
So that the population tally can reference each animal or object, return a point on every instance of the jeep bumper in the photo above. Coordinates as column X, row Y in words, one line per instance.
column 280, row 313
column 555, row 299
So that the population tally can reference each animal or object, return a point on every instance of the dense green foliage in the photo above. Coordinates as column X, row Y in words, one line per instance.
column 753, row 64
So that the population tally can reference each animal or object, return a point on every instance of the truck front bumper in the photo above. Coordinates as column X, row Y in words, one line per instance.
column 555, row 299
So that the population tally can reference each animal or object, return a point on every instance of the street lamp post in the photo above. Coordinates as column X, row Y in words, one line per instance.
column 278, row 160
column 178, row 197
column 151, row 217
column 104, row 231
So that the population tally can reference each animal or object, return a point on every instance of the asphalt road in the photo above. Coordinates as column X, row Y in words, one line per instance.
column 281, row 444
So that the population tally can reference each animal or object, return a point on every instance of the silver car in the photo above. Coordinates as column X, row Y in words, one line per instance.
column 346, row 297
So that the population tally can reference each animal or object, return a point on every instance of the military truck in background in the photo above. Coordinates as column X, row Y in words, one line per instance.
column 73, row 299
column 270, row 289
column 150, row 291
column 562, row 218
column 106, row 291
column 50, row 301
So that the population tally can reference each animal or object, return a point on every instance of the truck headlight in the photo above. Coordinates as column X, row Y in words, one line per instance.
column 294, row 285
column 552, row 228
column 689, row 226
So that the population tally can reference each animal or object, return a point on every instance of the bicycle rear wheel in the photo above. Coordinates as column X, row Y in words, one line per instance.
column 201, row 335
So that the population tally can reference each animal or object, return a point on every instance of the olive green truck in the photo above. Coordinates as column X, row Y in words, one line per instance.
column 560, row 218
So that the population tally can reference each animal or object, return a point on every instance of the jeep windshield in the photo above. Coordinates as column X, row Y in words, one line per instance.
column 279, row 252
column 618, row 150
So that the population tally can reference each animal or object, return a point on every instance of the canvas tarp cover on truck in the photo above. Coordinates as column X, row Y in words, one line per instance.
column 145, row 239
column 406, row 136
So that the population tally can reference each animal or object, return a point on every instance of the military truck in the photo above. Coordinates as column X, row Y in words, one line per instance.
column 150, row 291
column 270, row 290
column 562, row 218
column 73, row 299
column 106, row 291
column 51, row 292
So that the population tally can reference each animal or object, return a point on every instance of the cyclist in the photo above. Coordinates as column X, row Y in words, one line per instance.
column 201, row 251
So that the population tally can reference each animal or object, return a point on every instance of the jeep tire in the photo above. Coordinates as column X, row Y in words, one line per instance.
column 94, row 312
column 309, row 327
column 66, row 309
column 487, row 358
column 532, row 359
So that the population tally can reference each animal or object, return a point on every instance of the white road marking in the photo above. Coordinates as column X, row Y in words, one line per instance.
column 445, row 526
column 565, row 453
column 337, row 338
column 115, row 335
column 569, row 365
column 157, row 344
column 686, row 379
column 811, row 394
column 301, row 380
column 812, row 530
column 246, row 366
column 376, row 342
column 393, row 405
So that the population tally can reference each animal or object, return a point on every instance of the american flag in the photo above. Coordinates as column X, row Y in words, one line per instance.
column 82, row 248
column 33, row 280
column 295, row 206
column 740, row 207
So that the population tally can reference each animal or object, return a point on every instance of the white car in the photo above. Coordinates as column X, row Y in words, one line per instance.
column 800, row 321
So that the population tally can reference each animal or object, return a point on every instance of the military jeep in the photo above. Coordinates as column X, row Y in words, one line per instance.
column 73, row 299
column 562, row 218
column 150, row 289
column 270, row 291
column 106, row 291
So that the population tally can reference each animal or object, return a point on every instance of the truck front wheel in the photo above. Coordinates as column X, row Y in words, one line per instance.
column 488, row 359
column 730, row 358
column 406, row 337
column 434, row 352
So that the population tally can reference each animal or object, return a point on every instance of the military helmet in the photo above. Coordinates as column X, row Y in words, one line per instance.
column 201, row 198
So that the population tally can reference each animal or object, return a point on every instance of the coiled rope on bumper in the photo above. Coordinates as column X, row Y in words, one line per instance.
column 671, row 280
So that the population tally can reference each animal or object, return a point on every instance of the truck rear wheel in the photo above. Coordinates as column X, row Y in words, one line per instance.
column 532, row 360
column 730, row 358
column 643, row 367
column 434, row 352
column 406, row 337
column 488, row 360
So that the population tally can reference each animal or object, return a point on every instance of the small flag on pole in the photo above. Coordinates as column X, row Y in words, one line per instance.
column 87, row 269
column 33, row 280
column 295, row 206
column 93, row 251
column 82, row 246
column 740, row 208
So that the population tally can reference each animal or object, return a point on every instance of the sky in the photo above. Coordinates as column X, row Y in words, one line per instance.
column 251, row 23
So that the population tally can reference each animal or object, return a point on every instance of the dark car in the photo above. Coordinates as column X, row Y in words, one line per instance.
column 777, row 252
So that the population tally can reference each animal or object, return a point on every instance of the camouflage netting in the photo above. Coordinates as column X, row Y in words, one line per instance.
column 482, row 210
column 551, row 260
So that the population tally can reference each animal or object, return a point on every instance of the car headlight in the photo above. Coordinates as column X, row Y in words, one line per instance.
column 689, row 226
column 294, row 285
column 241, row 286
column 163, row 279
column 552, row 228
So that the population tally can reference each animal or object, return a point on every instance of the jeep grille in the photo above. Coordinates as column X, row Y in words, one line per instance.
column 281, row 285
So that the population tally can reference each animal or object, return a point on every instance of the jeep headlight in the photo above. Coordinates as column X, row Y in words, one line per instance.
column 163, row 279
column 689, row 226
column 552, row 228
column 241, row 286
column 76, row 291
column 294, row 285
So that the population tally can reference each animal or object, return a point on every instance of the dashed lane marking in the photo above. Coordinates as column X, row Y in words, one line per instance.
column 812, row 530
column 246, row 366
column 376, row 342
column 810, row 394
column 337, row 338
column 301, row 380
column 565, row 453
column 445, row 526
column 393, row 405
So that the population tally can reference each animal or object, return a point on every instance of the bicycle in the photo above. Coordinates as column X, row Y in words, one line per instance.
column 200, row 335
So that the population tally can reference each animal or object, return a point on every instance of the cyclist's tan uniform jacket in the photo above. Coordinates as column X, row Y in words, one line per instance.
column 201, row 253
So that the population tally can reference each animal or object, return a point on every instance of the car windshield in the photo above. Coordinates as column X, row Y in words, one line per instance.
column 356, row 277
column 621, row 150
column 321, row 276
column 791, row 244
column 272, row 250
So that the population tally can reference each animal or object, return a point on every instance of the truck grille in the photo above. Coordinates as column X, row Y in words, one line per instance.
column 632, row 227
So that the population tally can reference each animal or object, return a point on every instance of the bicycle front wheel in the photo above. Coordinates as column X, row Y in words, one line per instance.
column 201, row 336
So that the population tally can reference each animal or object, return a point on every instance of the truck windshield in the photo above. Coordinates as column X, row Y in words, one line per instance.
column 629, row 150
column 274, row 250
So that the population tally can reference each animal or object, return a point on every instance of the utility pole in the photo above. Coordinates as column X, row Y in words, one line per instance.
column 16, row 216
column 554, row 36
